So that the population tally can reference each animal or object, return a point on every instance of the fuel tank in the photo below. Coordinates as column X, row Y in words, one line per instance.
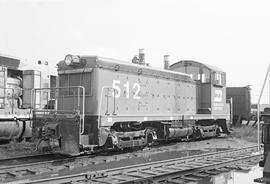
column 11, row 129
column 180, row 132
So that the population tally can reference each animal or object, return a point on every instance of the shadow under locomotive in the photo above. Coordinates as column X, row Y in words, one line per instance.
column 106, row 103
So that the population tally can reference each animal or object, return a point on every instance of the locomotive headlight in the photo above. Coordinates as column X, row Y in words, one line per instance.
column 72, row 60
column 68, row 59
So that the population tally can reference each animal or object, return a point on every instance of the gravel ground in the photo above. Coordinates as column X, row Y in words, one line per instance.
column 146, row 155
column 14, row 149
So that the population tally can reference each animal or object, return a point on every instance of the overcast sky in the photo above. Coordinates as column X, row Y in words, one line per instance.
column 231, row 34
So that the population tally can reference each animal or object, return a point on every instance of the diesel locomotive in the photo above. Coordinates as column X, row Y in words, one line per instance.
column 15, row 98
column 102, row 103
column 14, row 119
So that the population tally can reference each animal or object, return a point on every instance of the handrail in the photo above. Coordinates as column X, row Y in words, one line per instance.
column 101, row 99
column 33, row 91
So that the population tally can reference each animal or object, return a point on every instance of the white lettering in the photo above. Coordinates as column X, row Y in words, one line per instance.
column 136, row 95
column 218, row 95
column 117, row 89
column 127, row 89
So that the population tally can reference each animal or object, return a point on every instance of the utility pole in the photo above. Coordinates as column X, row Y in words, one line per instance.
column 258, row 105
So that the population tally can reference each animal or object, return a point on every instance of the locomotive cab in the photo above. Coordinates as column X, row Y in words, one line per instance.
column 210, row 90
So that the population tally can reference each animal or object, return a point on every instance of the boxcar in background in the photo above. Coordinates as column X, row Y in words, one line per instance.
column 241, row 103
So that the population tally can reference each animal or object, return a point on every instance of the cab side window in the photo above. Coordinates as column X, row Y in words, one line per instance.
column 194, row 72
column 205, row 76
column 219, row 79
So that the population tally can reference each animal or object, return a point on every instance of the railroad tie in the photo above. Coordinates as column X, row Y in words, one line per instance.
column 205, row 163
column 176, row 168
column 190, row 178
column 162, row 170
column 197, row 164
column 222, row 169
column 21, row 173
column 138, row 174
column 186, row 167
column 244, row 167
column 202, row 175
column 150, row 172
column 104, row 180
column 175, row 181
column 212, row 172
column 231, row 166
column 6, row 175
column 123, row 178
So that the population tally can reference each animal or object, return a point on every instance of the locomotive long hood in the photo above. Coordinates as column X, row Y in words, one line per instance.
column 118, row 65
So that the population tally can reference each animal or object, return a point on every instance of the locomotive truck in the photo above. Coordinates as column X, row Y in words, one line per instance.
column 103, row 103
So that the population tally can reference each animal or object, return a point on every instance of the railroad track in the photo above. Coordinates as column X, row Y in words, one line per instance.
column 36, row 159
column 167, row 171
column 15, row 168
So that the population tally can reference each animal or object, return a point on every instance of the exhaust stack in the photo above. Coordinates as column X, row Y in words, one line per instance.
column 166, row 62
column 141, row 57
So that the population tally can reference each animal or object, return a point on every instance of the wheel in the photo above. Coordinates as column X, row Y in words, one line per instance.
column 196, row 134
column 218, row 131
column 149, row 134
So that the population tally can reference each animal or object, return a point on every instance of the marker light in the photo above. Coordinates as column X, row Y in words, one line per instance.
column 72, row 60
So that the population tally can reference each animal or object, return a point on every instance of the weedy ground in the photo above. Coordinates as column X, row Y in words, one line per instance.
column 14, row 149
column 247, row 133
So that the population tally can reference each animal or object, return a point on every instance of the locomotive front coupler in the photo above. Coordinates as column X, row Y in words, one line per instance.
column 48, row 137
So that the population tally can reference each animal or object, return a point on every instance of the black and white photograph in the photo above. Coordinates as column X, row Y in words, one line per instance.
column 134, row 91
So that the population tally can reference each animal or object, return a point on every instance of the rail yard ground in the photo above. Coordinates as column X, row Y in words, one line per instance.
column 240, row 137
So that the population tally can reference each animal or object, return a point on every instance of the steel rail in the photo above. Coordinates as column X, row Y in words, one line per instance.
column 151, row 170
column 7, row 164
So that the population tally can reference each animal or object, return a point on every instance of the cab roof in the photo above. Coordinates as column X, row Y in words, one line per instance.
column 184, row 63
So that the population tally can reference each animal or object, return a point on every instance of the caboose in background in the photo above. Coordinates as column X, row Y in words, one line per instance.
column 107, row 103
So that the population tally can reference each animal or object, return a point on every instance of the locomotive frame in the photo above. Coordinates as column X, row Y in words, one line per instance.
column 128, row 105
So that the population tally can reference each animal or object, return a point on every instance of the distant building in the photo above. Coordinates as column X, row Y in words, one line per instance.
column 262, row 106
column 9, row 61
